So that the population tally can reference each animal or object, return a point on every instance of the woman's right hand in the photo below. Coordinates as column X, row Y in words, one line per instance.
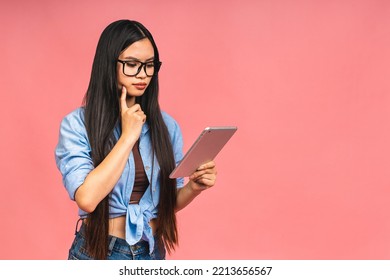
column 102, row 179
column 132, row 118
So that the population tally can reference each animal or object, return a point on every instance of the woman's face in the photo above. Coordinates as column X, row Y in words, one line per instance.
column 139, row 52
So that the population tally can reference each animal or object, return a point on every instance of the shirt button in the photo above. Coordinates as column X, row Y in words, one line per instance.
column 147, row 167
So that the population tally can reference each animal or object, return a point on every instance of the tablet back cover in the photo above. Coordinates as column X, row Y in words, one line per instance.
column 209, row 143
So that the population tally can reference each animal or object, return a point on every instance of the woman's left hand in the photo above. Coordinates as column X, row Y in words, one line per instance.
column 204, row 177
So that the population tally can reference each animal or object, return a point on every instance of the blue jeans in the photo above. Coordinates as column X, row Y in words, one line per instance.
column 118, row 249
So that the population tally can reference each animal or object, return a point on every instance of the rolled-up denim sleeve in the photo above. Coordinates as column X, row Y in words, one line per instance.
column 177, row 144
column 72, row 153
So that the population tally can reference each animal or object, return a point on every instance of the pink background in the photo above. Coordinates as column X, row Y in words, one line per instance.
column 307, row 83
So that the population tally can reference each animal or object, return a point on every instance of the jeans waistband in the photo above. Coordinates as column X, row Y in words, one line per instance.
column 117, row 243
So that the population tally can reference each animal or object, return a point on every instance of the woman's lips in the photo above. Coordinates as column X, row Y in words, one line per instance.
column 140, row 86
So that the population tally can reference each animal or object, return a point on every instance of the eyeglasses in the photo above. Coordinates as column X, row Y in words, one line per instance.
column 132, row 68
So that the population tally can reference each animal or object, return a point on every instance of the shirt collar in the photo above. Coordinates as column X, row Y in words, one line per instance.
column 145, row 128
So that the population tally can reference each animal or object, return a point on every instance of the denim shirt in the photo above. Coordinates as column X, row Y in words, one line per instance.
column 73, row 159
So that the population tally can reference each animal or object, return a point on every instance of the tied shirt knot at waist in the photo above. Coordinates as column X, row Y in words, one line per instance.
column 137, row 225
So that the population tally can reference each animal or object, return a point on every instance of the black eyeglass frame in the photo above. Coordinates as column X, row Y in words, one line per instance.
column 157, row 65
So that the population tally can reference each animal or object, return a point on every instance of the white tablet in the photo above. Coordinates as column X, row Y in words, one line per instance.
column 209, row 143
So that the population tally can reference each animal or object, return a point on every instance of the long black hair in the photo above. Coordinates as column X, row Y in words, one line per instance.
column 102, row 114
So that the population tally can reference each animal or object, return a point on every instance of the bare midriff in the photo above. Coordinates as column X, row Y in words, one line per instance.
column 116, row 226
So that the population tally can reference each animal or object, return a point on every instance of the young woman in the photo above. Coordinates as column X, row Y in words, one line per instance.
column 116, row 152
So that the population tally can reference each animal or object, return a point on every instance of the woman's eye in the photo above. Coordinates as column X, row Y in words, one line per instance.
column 150, row 65
column 131, row 64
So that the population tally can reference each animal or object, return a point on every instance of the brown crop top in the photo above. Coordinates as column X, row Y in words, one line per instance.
column 141, row 181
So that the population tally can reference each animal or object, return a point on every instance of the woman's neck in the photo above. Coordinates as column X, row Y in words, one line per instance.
column 130, row 100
